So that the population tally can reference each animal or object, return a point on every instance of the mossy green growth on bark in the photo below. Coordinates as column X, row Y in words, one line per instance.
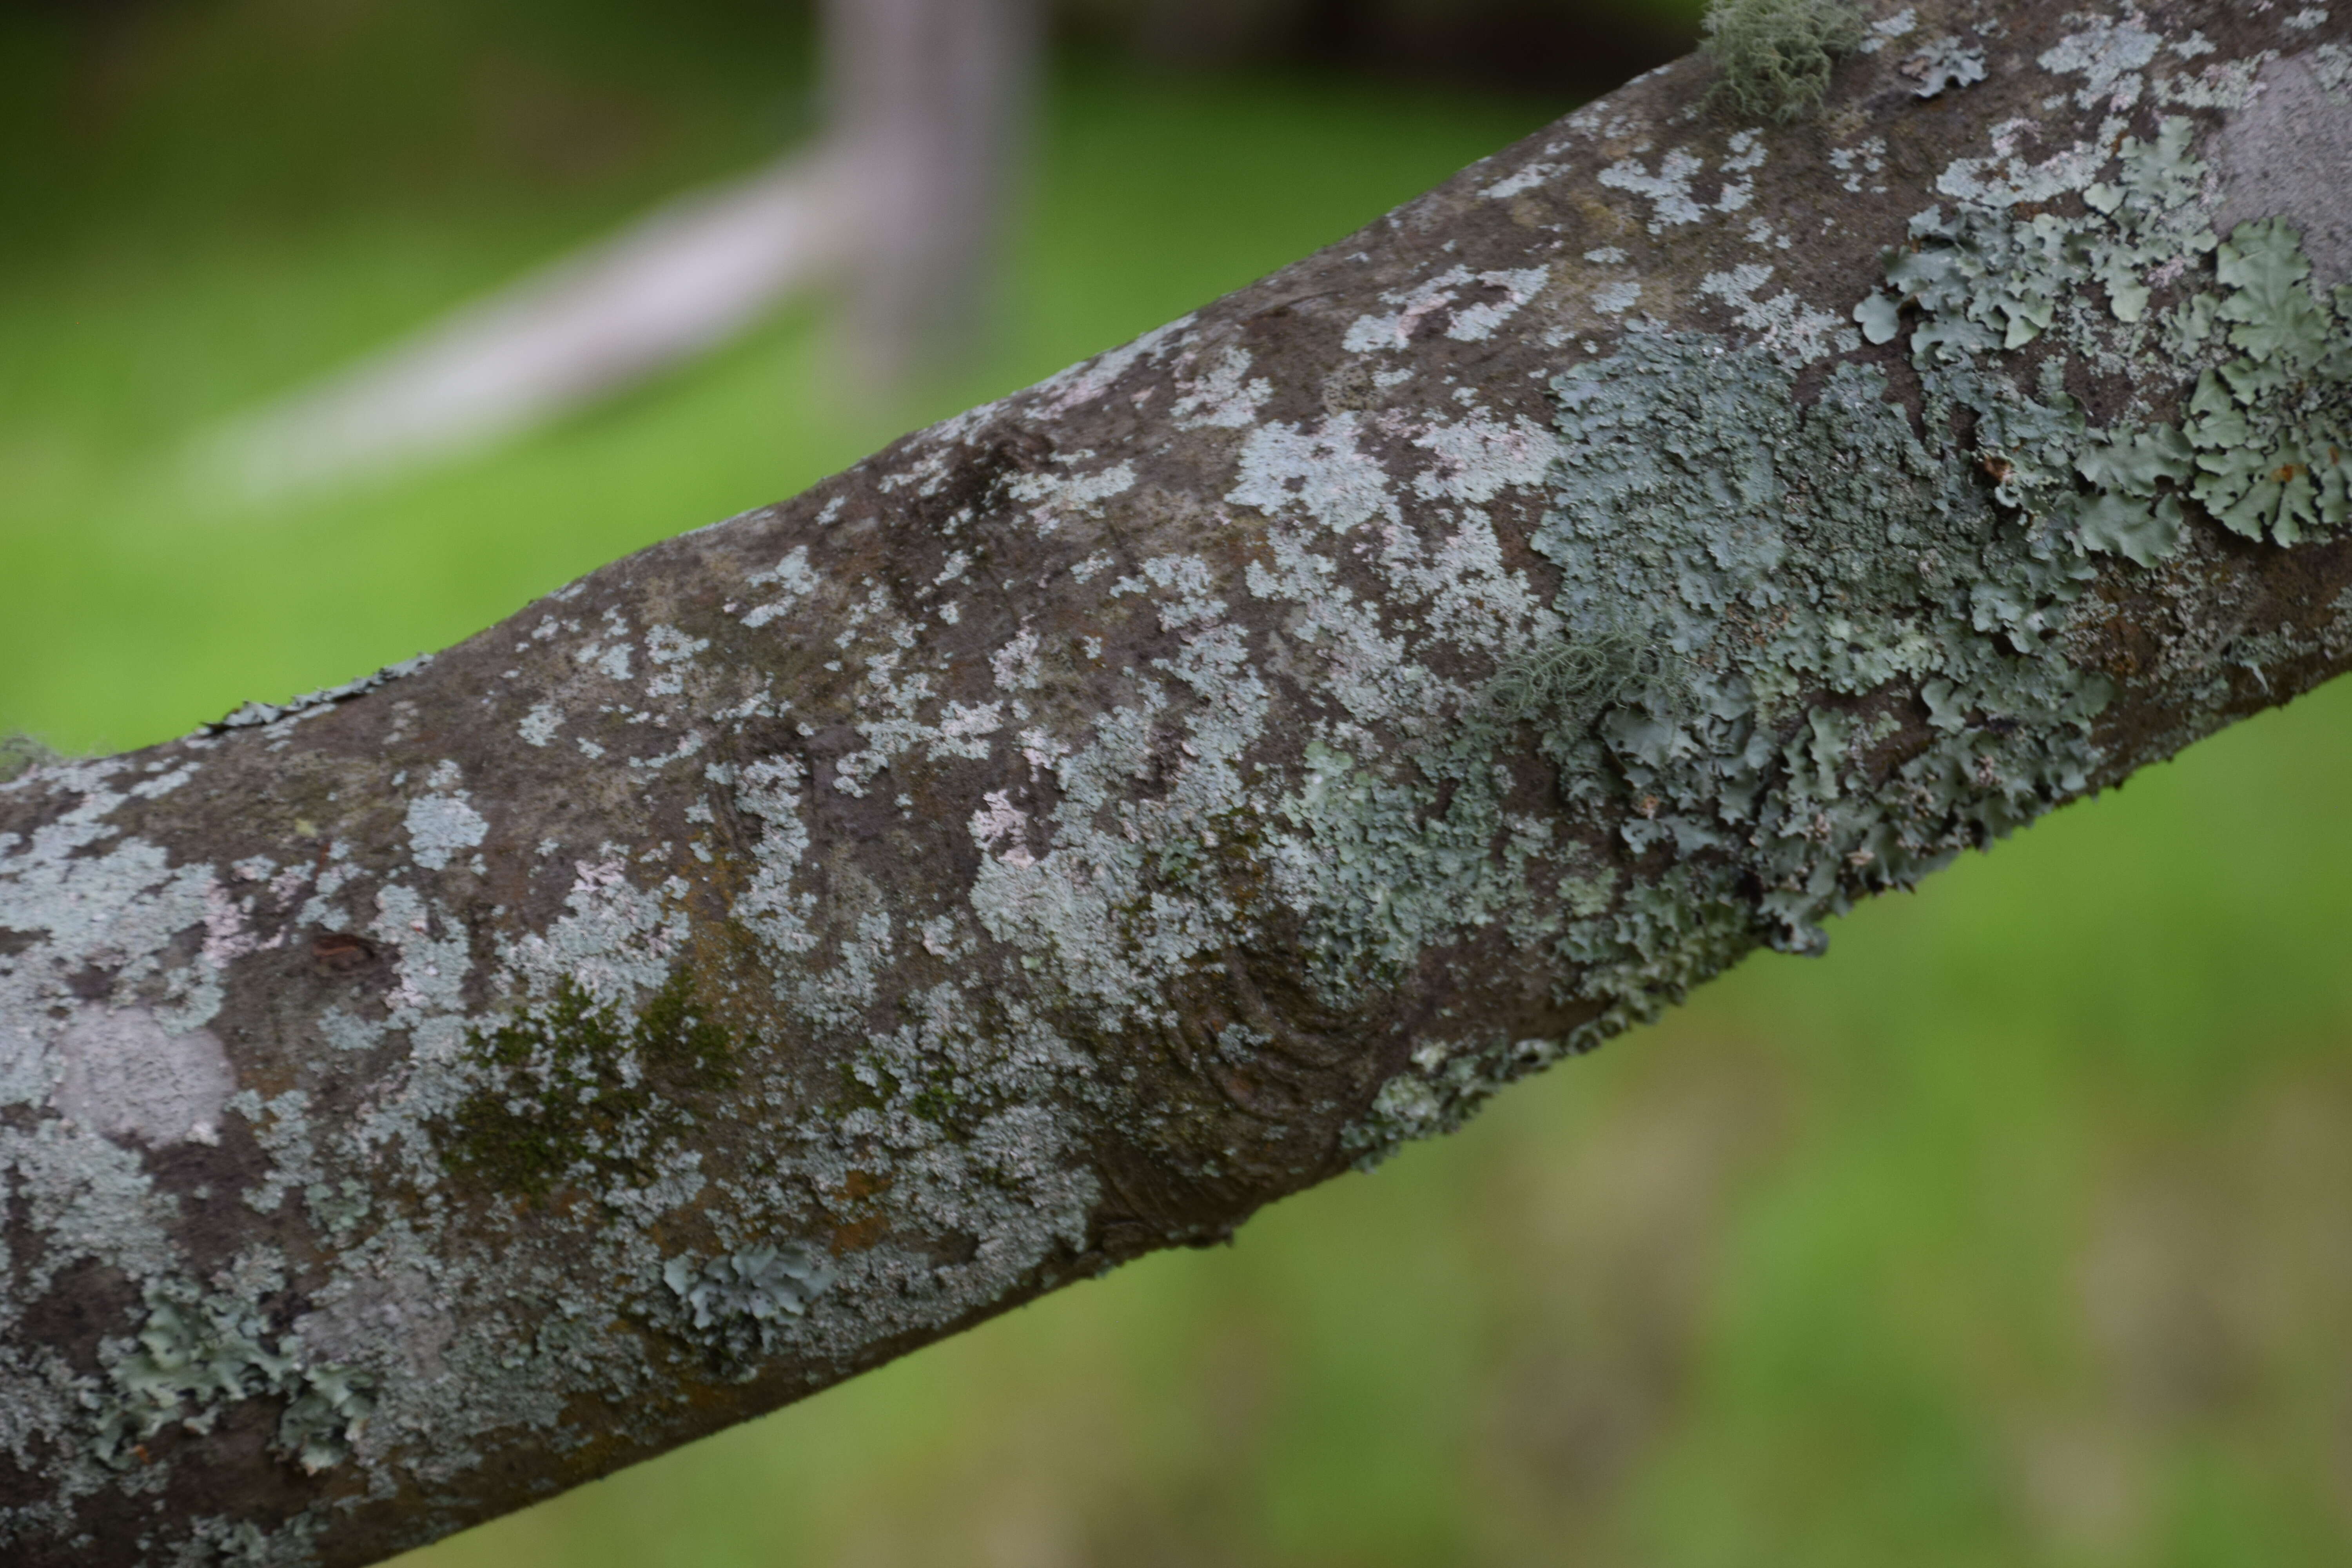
column 1775, row 55
column 575, row 1091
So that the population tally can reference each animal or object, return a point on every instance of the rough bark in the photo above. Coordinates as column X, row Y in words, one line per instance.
column 1116, row 807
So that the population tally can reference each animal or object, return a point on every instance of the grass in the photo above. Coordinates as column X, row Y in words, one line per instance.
column 2012, row 1232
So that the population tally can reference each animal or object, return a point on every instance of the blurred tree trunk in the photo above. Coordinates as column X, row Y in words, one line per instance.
column 899, row 205
column 1118, row 806
column 928, row 100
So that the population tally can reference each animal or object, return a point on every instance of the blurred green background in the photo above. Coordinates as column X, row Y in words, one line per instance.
column 2018, row 1230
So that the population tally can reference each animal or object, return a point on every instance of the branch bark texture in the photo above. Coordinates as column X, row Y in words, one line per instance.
column 1110, row 810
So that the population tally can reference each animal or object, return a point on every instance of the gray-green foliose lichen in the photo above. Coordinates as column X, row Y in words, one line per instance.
column 200, row 1352
column 1942, row 64
column 2266, row 448
column 737, row 1303
column 1810, row 572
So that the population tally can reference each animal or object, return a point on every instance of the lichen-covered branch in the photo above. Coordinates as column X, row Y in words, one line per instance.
column 1113, row 808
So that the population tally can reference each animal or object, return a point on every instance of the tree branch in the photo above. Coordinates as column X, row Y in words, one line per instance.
column 1116, row 807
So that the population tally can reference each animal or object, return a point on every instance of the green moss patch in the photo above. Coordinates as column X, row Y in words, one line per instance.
column 575, row 1092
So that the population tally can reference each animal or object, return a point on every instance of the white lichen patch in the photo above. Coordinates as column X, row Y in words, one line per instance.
column 1528, row 177
column 1226, row 397
column 96, row 898
column 91, row 1196
column 999, row 824
column 1321, row 472
column 1616, row 298
column 1475, row 322
column 1783, row 322
column 1053, row 497
column 442, row 826
column 1668, row 191
column 1945, row 63
column 614, row 940
column 793, row 576
column 1088, row 380
column 121, row 1074
column 1468, row 321
column 2005, row 178
column 2108, row 55
column 774, row 905
column 1478, row 458
column 1064, row 907
column 1180, row 585
column 668, row 646
column 1884, row 31
column 434, row 960
column 1015, row 666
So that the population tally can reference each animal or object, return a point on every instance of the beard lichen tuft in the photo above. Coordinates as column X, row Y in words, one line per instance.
column 1567, row 682
column 20, row 755
column 1775, row 55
